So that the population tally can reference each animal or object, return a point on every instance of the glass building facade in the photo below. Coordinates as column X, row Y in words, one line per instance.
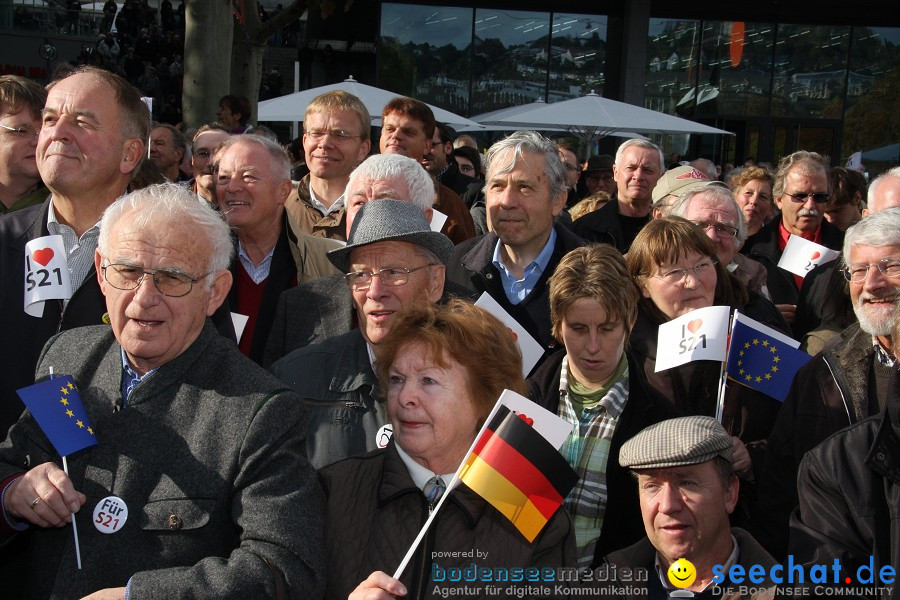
column 778, row 87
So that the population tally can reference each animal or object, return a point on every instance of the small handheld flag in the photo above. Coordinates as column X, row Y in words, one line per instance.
column 57, row 408
column 518, row 472
column 763, row 359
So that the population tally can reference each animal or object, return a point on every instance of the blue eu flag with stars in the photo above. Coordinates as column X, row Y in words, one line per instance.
column 762, row 358
column 57, row 408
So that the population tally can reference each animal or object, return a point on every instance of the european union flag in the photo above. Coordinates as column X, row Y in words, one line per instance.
column 763, row 359
column 57, row 408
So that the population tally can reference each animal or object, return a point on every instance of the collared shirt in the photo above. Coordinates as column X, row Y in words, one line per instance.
column 79, row 251
column 732, row 560
column 419, row 474
column 881, row 355
column 130, row 378
column 518, row 289
column 587, row 451
column 258, row 273
column 325, row 210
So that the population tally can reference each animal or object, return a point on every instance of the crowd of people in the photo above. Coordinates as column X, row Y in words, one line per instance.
column 283, row 373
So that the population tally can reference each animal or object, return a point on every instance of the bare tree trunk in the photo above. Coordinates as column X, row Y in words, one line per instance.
column 208, row 38
column 247, row 56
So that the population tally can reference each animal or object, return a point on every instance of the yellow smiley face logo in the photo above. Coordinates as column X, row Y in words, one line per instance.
column 682, row 573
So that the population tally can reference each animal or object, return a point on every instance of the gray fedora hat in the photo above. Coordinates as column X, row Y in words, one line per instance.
column 391, row 220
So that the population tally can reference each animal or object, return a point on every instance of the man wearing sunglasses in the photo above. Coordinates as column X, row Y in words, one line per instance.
column 801, row 192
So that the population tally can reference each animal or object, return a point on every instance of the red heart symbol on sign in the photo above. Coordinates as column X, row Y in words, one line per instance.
column 43, row 256
column 528, row 420
column 815, row 255
column 694, row 325
column 513, row 334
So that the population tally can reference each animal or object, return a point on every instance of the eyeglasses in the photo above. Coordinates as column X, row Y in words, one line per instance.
column 800, row 197
column 857, row 272
column 339, row 135
column 22, row 131
column 169, row 283
column 676, row 276
column 362, row 280
column 722, row 230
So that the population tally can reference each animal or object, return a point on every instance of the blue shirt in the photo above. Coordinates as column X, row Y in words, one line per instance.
column 518, row 289
column 130, row 379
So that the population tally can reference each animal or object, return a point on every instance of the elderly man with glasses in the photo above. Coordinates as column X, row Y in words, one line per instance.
column 711, row 205
column 801, row 192
column 848, row 381
column 200, row 451
column 393, row 261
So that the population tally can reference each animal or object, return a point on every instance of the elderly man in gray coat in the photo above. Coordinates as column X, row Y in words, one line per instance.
column 200, row 451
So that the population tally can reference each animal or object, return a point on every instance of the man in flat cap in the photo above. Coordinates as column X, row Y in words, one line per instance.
column 687, row 488
column 393, row 261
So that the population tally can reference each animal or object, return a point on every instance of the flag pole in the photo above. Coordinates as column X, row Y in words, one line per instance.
column 74, row 524
column 453, row 483
column 409, row 553
column 723, row 376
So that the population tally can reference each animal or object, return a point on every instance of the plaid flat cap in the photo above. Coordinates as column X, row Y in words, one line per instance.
column 675, row 443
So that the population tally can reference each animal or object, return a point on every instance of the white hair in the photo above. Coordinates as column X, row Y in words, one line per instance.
column 164, row 203
column 639, row 143
column 387, row 167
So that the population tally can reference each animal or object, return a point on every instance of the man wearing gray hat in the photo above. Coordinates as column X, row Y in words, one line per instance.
column 687, row 488
column 393, row 261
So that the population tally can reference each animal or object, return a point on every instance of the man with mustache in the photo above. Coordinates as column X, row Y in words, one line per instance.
column 841, row 385
column 801, row 192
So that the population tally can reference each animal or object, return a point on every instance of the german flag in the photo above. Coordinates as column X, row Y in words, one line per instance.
column 519, row 472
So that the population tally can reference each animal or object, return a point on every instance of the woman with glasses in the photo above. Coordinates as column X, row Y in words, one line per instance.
column 677, row 270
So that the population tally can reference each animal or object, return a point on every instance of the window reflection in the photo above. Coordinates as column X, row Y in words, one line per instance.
column 424, row 52
column 871, row 96
column 810, row 67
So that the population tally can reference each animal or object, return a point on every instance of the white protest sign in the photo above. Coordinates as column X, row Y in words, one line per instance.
column 437, row 220
column 701, row 334
column 239, row 322
column 46, row 273
column 801, row 256
column 530, row 348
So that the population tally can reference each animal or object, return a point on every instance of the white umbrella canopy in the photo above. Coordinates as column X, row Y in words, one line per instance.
column 293, row 106
column 593, row 116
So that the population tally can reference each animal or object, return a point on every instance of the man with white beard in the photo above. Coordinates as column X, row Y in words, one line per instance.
column 842, row 384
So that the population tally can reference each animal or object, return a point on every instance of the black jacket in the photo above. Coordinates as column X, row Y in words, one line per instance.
column 456, row 181
column 763, row 247
column 622, row 523
column 374, row 511
column 471, row 266
column 603, row 226
column 23, row 337
column 829, row 393
column 849, row 488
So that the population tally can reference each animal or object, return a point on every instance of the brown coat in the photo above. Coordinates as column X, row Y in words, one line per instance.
column 309, row 220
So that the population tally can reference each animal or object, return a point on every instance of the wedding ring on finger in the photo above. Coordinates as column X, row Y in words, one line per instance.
column 35, row 502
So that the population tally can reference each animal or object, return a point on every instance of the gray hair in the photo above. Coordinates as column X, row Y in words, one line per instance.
column 281, row 164
column 714, row 192
column 806, row 163
column 877, row 229
column 386, row 167
column 156, row 205
column 870, row 199
column 533, row 143
column 639, row 143
column 178, row 139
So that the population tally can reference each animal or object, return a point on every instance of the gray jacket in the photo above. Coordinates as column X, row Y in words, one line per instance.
column 336, row 381
column 209, row 458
